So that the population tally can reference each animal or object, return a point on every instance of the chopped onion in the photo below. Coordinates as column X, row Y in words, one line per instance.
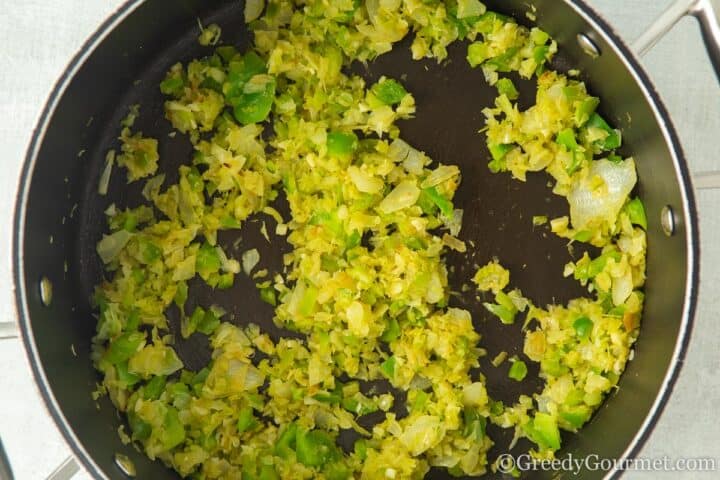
column 152, row 187
column 228, row 265
column 415, row 161
column 105, row 177
column 403, row 196
column 111, row 245
column 419, row 382
column 454, row 224
column 439, row 175
column 454, row 243
column 357, row 322
column 399, row 150
column 364, row 181
column 475, row 394
column 622, row 287
column 424, row 433
column 249, row 260
column 253, row 9
column 591, row 205
column 257, row 83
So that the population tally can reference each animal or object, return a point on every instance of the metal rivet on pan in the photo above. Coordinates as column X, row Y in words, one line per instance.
column 667, row 220
column 46, row 291
column 125, row 464
column 587, row 45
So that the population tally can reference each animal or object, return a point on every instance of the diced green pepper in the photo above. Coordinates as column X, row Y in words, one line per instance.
column 330, row 221
column 419, row 401
column 246, row 420
column 392, row 331
column 636, row 212
column 225, row 280
column 149, row 252
column 154, row 387
column 359, row 405
column 289, row 183
column 188, row 325
column 505, row 315
column 551, row 365
column 540, row 54
column 518, row 370
column 286, row 442
column 583, row 327
column 195, row 180
column 445, row 205
column 574, row 397
column 179, row 393
column 360, row 449
column 477, row 53
column 267, row 295
column 388, row 367
column 506, row 87
column 543, row 430
column 207, row 261
column 498, row 153
column 140, row 429
column 539, row 37
column 124, row 347
column 353, row 240
column 308, row 300
column 566, row 138
column 575, row 416
column 173, row 84
column 198, row 380
column 173, row 433
column 124, row 376
column 330, row 398
column 502, row 61
column 582, row 236
column 315, row 448
column 133, row 321
column 255, row 107
column 336, row 471
column 267, row 472
column 181, row 295
column 416, row 243
column 475, row 424
column 585, row 110
column 340, row 144
column 239, row 73
column 389, row 91
column 613, row 140
column 208, row 322
column 487, row 21
column 504, row 309
column 226, row 52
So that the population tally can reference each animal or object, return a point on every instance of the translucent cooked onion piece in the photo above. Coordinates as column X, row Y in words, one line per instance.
column 111, row 245
column 422, row 434
column 250, row 259
column 253, row 9
column 439, row 175
column 403, row 196
column 599, row 196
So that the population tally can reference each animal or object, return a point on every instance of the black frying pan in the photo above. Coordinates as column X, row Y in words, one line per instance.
column 123, row 63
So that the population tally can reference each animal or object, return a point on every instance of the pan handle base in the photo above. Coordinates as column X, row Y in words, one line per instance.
column 708, row 14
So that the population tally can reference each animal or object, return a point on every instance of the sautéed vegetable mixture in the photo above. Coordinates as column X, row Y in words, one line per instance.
column 365, row 284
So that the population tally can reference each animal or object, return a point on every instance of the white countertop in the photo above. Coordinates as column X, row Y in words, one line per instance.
column 38, row 38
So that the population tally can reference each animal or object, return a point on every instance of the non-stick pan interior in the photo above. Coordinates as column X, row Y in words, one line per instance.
column 65, row 217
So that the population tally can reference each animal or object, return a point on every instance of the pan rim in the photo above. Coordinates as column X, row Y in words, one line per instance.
column 600, row 27
column 25, row 179
column 689, row 207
